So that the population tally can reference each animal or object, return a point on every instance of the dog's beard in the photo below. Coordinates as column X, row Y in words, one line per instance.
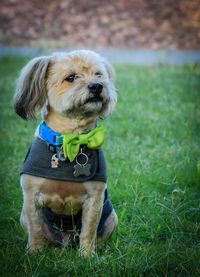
column 91, row 107
column 80, row 102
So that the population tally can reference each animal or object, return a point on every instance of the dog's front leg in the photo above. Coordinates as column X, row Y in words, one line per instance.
column 31, row 216
column 91, row 213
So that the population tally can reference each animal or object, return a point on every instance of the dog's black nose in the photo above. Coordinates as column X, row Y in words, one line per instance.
column 95, row 88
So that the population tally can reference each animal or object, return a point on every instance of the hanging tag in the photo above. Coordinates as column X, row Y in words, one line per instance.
column 54, row 161
column 61, row 155
column 82, row 169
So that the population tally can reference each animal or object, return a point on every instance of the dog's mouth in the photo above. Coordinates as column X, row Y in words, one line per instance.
column 94, row 99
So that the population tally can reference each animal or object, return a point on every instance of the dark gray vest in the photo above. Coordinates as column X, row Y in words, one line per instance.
column 38, row 163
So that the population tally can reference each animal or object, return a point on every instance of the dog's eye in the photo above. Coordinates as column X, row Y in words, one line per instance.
column 71, row 78
column 98, row 74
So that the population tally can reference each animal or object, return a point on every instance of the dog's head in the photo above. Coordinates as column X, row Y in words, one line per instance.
column 79, row 83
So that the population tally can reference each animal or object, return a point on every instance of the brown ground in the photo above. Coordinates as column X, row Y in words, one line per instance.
column 150, row 24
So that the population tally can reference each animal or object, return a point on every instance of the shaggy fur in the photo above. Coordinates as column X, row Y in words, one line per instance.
column 67, row 107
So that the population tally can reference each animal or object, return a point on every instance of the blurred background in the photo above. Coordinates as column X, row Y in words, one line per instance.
column 105, row 24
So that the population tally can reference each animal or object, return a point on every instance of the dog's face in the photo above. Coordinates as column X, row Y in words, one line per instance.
column 79, row 83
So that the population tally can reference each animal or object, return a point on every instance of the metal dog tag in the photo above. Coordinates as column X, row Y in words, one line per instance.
column 61, row 156
column 82, row 169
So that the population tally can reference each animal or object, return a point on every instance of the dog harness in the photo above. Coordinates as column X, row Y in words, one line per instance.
column 45, row 159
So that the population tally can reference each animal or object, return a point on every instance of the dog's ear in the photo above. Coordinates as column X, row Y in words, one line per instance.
column 30, row 93
column 110, row 70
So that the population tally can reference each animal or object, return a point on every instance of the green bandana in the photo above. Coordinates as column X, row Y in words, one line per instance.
column 72, row 142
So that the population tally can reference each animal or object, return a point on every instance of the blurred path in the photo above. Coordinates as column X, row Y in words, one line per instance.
column 137, row 57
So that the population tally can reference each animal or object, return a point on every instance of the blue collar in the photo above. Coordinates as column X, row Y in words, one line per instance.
column 52, row 137
column 49, row 135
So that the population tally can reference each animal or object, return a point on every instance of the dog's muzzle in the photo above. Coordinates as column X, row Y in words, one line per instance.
column 95, row 89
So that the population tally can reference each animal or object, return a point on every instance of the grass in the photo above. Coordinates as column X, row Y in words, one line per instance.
column 153, row 156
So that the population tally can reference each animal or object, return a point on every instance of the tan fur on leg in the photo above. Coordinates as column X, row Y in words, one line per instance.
column 91, row 213
column 31, row 217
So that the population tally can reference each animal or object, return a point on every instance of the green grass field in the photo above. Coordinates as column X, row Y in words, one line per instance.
column 153, row 157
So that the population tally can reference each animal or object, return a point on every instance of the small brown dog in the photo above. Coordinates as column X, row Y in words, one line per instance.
column 66, row 199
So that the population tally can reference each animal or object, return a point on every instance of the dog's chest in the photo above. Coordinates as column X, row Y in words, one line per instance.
column 62, row 197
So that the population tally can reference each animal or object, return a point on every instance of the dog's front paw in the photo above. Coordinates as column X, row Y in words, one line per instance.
column 86, row 251
column 31, row 248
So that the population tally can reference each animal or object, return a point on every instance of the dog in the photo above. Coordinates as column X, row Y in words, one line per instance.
column 64, row 183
